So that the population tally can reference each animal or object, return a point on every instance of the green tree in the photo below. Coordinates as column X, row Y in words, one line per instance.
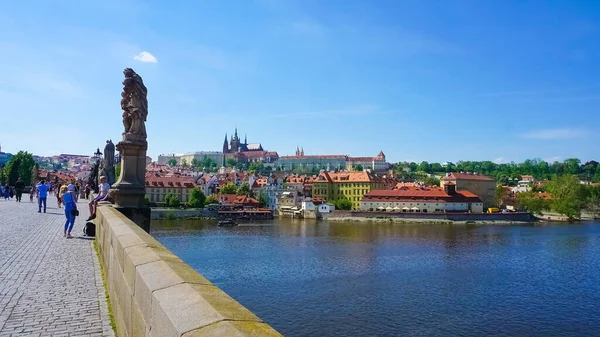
column 263, row 198
column 195, row 162
column 256, row 168
column 593, row 201
column 184, row 163
column 357, row 167
column 501, row 196
column 431, row 181
column 211, row 199
column 413, row 166
column 343, row 204
column 424, row 167
column 532, row 202
column 244, row 189
column 172, row 162
column 436, row 167
column 19, row 166
column 197, row 198
column 230, row 162
column 568, row 195
column 229, row 188
column 172, row 200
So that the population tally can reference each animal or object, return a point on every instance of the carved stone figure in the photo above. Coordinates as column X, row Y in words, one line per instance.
column 134, row 103
column 109, row 154
column 108, row 164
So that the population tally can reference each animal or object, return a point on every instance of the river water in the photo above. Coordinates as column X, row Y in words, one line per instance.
column 379, row 279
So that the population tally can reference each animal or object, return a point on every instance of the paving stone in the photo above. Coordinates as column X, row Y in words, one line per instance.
column 49, row 285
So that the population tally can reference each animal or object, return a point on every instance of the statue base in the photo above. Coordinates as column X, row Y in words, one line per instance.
column 130, row 188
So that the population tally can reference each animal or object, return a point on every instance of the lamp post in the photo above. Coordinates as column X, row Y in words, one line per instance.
column 97, row 155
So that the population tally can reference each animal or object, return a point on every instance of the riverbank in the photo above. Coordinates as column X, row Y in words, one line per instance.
column 427, row 221
column 436, row 218
column 177, row 213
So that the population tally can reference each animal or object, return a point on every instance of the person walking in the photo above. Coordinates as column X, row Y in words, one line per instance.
column 32, row 193
column 19, row 187
column 60, row 189
column 104, row 187
column 68, row 199
column 42, row 189
column 6, row 191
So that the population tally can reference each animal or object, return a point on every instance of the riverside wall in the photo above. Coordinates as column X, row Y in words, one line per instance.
column 479, row 217
column 154, row 293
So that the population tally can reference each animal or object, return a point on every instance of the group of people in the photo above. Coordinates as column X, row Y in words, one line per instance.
column 7, row 192
column 67, row 195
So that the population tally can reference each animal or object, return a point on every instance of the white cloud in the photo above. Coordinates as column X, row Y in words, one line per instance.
column 499, row 160
column 564, row 133
column 145, row 57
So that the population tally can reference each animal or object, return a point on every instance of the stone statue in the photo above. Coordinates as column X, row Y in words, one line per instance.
column 134, row 104
column 109, row 162
column 109, row 154
column 129, row 191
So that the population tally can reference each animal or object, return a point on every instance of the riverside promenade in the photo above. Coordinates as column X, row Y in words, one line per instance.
column 49, row 285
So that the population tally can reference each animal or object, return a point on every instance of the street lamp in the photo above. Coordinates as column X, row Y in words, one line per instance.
column 97, row 155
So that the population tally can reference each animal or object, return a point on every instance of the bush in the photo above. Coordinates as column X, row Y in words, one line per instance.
column 197, row 198
column 172, row 200
column 211, row 199
column 343, row 204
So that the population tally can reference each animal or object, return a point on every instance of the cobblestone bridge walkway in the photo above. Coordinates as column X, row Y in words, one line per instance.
column 49, row 285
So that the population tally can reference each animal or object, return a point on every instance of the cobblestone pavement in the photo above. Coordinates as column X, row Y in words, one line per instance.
column 49, row 285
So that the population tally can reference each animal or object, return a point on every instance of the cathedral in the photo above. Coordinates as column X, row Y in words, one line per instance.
column 235, row 145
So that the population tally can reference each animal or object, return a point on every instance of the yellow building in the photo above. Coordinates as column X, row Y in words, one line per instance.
column 350, row 185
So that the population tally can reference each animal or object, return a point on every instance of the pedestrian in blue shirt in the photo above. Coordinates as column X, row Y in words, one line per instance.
column 42, row 189
column 68, row 199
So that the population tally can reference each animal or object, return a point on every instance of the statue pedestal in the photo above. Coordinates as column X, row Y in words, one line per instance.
column 130, row 188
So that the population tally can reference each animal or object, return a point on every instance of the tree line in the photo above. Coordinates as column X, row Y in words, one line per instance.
column 507, row 172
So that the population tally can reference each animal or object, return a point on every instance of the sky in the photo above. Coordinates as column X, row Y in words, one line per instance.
column 421, row 80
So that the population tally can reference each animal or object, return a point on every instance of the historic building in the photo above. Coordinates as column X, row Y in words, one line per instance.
column 332, row 162
column 375, row 164
column 478, row 184
column 157, row 187
column 415, row 198
column 331, row 186
column 246, row 152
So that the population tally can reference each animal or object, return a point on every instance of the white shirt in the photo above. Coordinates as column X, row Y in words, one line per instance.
column 104, row 189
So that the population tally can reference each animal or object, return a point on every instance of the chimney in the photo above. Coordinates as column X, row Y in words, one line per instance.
column 450, row 189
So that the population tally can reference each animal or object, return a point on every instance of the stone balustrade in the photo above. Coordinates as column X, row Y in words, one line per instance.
column 154, row 293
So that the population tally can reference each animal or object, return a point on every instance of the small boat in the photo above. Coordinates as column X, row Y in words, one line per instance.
column 227, row 223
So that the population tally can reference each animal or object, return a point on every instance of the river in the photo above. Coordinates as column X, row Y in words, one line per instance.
column 308, row 278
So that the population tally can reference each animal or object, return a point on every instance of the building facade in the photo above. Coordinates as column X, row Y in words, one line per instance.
column 157, row 187
column 331, row 187
column 422, row 199
column 482, row 186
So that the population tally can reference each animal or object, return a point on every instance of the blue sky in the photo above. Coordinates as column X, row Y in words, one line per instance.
column 420, row 80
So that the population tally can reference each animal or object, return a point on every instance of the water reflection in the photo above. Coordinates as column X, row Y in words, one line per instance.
column 316, row 278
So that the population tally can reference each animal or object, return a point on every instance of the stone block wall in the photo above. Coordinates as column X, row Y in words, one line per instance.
column 154, row 293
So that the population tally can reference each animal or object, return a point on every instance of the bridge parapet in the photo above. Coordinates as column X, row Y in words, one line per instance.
column 154, row 293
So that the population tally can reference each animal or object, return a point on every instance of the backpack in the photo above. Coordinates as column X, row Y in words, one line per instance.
column 89, row 229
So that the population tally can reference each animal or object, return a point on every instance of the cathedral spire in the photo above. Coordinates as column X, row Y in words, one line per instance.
column 236, row 136
column 245, row 139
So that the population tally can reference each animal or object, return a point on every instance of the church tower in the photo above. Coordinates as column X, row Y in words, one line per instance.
column 235, row 142
column 225, row 145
